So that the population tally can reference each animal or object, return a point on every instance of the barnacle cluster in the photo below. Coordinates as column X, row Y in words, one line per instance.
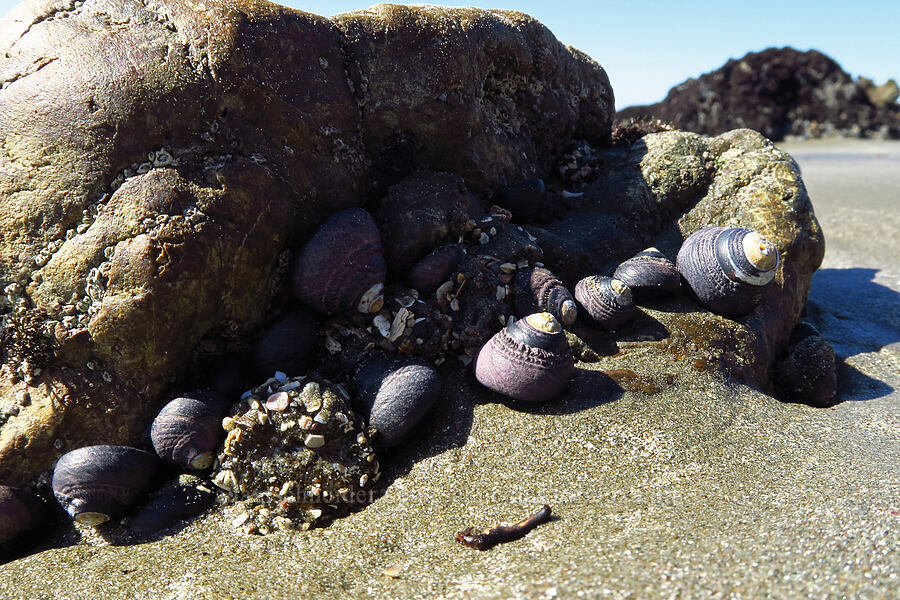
column 295, row 454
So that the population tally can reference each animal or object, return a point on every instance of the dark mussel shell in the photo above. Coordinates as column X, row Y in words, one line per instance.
column 21, row 512
column 433, row 270
column 288, row 346
column 529, row 360
column 536, row 289
column 608, row 301
column 96, row 483
column 342, row 269
column 727, row 269
column 649, row 274
column 525, row 199
column 186, row 430
column 394, row 394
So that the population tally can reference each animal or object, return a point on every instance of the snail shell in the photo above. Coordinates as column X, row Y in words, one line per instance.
column 607, row 300
column 727, row 269
column 287, row 346
column 525, row 199
column 395, row 393
column 20, row 513
column 649, row 274
column 341, row 269
column 536, row 289
column 433, row 270
column 96, row 483
column 186, row 430
column 529, row 360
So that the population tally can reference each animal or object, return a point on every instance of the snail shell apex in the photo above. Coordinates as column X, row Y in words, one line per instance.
column 608, row 301
column 529, row 360
column 342, row 267
column 96, row 483
column 727, row 270
column 648, row 274
column 536, row 289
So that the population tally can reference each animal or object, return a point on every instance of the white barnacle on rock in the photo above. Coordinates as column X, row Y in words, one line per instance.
column 160, row 158
column 332, row 345
column 226, row 480
column 398, row 325
column 383, row 324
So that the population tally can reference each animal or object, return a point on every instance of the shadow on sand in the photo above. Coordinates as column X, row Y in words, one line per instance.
column 858, row 316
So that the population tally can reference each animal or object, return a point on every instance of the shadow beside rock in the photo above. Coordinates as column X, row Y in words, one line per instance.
column 856, row 386
column 853, row 312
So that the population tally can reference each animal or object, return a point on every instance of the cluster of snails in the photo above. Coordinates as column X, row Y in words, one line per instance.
column 342, row 270
column 725, row 269
column 97, row 483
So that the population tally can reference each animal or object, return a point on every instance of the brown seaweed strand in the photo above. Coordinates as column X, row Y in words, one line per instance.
column 500, row 534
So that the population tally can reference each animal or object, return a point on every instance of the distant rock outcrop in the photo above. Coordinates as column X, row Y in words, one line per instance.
column 780, row 92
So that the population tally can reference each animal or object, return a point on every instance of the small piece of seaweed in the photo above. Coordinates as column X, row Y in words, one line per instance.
column 628, row 131
column 500, row 534
column 23, row 341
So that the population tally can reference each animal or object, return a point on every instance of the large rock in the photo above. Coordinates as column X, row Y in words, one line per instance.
column 779, row 92
column 658, row 191
column 156, row 160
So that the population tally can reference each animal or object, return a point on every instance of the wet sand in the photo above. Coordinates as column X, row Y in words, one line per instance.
column 708, row 490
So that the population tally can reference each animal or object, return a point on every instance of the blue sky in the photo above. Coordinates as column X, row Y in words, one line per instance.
column 647, row 46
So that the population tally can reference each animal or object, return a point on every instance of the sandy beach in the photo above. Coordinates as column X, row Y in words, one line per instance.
column 713, row 490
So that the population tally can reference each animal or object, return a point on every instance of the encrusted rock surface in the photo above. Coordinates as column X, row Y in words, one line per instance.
column 156, row 161
column 295, row 453
column 780, row 92
column 676, row 183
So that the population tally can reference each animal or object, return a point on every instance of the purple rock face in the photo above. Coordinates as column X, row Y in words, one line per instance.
column 529, row 360
column 341, row 269
column 608, row 301
column 96, row 483
column 724, row 269
column 649, row 274
column 186, row 430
